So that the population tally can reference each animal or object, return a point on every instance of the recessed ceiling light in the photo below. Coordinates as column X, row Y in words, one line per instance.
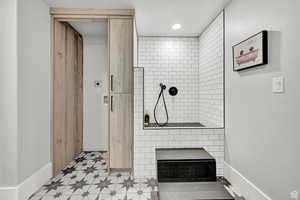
column 176, row 26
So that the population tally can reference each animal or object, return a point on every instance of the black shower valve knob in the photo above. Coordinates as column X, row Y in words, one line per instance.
column 173, row 91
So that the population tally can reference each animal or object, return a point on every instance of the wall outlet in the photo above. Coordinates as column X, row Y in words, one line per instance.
column 294, row 194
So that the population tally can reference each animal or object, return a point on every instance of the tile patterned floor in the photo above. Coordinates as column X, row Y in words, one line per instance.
column 86, row 178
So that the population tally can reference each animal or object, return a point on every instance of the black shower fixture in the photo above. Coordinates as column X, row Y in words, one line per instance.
column 173, row 91
column 162, row 86
column 161, row 95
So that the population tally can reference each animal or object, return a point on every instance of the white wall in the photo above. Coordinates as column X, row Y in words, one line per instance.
column 95, row 136
column 262, row 128
column 173, row 62
column 25, row 97
column 211, row 63
column 33, row 87
column 8, row 91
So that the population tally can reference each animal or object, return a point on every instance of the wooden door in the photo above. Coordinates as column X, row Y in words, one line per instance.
column 70, row 94
column 59, row 96
column 121, row 55
column 79, row 96
column 67, row 95
column 121, row 128
column 121, row 93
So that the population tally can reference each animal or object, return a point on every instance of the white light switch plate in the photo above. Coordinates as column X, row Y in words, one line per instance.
column 278, row 84
column 294, row 194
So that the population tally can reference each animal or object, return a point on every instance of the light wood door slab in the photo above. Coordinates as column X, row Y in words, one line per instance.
column 121, row 92
column 67, row 93
column 121, row 131
column 59, row 98
column 121, row 55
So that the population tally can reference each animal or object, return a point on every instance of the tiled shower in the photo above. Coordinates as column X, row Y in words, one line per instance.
column 192, row 64
column 173, row 62
column 195, row 66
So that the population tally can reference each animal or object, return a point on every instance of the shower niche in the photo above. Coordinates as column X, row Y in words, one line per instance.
column 184, row 79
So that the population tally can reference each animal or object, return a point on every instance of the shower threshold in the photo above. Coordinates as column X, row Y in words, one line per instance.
column 175, row 125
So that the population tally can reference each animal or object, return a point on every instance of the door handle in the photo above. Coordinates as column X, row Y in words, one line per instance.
column 111, row 82
column 111, row 104
column 105, row 100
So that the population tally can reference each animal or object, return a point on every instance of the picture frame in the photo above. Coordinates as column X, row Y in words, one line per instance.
column 251, row 52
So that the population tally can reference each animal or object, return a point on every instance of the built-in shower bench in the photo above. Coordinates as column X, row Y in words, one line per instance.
column 188, row 174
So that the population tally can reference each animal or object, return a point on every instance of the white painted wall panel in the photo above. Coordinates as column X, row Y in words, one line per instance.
column 262, row 128
column 95, row 134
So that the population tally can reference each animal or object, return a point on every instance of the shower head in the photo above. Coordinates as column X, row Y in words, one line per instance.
column 162, row 86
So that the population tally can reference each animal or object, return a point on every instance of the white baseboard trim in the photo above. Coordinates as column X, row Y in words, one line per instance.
column 8, row 193
column 34, row 182
column 28, row 186
column 242, row 186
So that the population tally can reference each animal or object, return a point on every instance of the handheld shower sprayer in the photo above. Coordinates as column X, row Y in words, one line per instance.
column 161, row 94
column 162, row 86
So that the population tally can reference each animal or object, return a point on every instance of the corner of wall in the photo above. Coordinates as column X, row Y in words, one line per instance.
column 34, row 182
column 24, row 190
column 242, row 186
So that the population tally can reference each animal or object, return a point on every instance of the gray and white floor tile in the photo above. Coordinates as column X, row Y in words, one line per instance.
column 87, row 178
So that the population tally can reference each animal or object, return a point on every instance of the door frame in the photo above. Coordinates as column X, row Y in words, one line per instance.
column 77, row 15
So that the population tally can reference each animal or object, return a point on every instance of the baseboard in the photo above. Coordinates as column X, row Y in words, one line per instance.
column 242, row 186
column 93, row 149
column 34, row 182
column 28, row 186
column 10, row 193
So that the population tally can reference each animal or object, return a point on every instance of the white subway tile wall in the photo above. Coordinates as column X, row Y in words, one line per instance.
column 195, row 66
column 173, row 62
column 146, row 141
column 211, row 52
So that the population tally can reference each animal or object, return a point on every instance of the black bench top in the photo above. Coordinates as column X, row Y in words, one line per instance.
column 183, row 154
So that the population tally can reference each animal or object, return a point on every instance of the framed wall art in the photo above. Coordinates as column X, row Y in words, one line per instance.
column 251, row 52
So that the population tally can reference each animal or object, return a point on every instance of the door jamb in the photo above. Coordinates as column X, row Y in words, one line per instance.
column 77, row 15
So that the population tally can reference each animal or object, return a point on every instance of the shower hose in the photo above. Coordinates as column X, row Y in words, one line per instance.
column 161, row 95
